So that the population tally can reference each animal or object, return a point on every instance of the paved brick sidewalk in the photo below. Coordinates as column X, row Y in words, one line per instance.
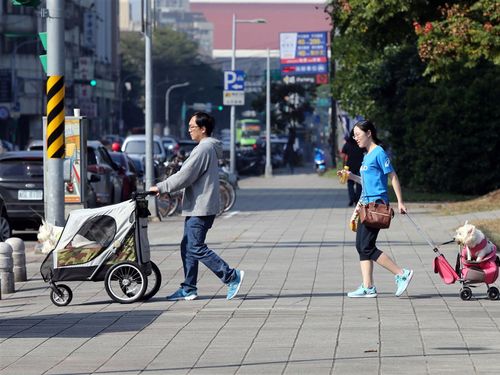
column 290, row 235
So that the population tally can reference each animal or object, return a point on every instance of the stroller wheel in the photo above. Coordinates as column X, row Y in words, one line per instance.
column 466, row 293
column 493, row 293
column 154, row 280
column 65, row 297
column 125, row 282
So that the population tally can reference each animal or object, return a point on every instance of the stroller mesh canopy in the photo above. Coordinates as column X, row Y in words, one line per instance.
column 89, row 236
column 92, row 238
column 100, row 229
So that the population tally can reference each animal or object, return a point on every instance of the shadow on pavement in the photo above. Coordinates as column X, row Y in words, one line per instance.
column 82, row 324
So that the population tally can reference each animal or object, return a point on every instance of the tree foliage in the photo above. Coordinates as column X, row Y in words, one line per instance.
column 175, row 60
column 465, row 32
column 435, row 127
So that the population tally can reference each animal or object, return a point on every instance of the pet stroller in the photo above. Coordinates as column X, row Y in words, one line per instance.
column 107, row 244
column 467, row 272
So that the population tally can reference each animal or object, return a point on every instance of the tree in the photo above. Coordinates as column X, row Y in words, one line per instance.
column 175, row 60
column 434, row 129
column 464, row 33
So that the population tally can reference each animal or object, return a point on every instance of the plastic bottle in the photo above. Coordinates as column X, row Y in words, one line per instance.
column 343, row 176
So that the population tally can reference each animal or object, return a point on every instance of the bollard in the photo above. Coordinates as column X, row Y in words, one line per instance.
column 6, row 265
column 19, row 258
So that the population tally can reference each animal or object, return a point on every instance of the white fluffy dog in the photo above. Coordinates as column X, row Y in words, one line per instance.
column 48, row 235
column 474, row 241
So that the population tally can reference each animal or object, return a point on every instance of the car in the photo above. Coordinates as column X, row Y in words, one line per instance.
column 107, row 187
column 5, row 230
column 35, row 145
column 135, row 147
column 21, row 191
column 170, row 145
column 186, row 146
column 127, row 173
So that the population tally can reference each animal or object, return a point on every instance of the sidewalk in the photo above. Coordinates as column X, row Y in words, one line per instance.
column 290, row 235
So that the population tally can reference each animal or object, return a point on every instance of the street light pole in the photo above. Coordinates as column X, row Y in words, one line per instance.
column 166, row 130
column 269, row 165
column 232, row 147
column 148, row 44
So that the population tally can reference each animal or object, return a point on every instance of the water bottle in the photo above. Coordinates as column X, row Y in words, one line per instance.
column 344, row 175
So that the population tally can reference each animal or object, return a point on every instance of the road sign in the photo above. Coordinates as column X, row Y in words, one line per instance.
column 234, row 80
column 234, row 87
column 234, row 98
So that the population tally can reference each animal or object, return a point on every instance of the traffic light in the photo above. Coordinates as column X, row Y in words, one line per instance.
column 43, row 58
column 26, row 3
column 89, row 82
column 220, row 108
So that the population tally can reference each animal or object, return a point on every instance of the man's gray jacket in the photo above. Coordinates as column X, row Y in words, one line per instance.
column 199, row 177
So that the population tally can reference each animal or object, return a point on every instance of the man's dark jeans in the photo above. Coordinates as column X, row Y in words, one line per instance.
column 194, row 250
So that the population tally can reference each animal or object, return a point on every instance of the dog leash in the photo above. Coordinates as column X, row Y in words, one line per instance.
column 426, row 237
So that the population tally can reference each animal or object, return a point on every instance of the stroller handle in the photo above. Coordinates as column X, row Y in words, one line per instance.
column 142, row 194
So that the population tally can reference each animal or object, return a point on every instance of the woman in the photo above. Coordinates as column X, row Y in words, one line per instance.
column 375, row 170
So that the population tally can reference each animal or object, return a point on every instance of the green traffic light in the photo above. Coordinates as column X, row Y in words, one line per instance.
column 93, row 82
column 220, row 108
column 26, row 3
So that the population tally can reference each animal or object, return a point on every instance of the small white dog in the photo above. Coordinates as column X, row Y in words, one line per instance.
column 474, row 241
column 48, row 235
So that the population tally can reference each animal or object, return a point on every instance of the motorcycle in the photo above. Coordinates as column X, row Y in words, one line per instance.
column 319, row 161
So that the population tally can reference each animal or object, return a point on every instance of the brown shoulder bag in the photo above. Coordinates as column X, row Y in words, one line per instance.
column 376, row 215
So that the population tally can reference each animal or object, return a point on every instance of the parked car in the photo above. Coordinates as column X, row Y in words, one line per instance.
column 35, row 145
column 140, row 168
column 135, row 147
column 170, row 145
column 186, row 146
column 108, row 188
column 127, row 173
column 21, row 191
column 5, row 230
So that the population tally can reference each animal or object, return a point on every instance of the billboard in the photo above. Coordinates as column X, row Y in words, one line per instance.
column 303, row 53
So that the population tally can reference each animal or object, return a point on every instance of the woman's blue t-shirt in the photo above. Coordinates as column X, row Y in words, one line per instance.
column 374, row 170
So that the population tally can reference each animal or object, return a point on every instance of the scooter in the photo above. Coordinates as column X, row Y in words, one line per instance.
column 319, row 161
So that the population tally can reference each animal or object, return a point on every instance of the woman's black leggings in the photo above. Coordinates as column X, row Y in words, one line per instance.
column 366, row 239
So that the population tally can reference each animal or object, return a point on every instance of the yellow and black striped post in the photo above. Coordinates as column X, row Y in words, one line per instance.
column 55, row 117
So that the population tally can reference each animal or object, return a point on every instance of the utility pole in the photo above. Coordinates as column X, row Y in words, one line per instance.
column 55, row 113
column 269, row 165
column 149, row 105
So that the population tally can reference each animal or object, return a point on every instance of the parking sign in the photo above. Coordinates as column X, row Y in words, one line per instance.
column 234, row 87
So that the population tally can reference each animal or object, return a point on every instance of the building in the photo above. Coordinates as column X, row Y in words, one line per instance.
column 91, row 40
column 176, row 14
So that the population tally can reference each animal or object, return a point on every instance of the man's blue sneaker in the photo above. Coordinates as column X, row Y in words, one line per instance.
column 180, row 294
column 363, row 292
column 234, row 286
column 402, row 281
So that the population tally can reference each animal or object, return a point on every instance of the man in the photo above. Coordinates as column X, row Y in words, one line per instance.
column 199, row 177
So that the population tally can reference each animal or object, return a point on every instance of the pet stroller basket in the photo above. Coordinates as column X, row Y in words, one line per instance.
column 108, row 243
column 466, row 273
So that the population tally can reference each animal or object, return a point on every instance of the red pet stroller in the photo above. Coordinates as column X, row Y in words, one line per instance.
column 466, row 272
